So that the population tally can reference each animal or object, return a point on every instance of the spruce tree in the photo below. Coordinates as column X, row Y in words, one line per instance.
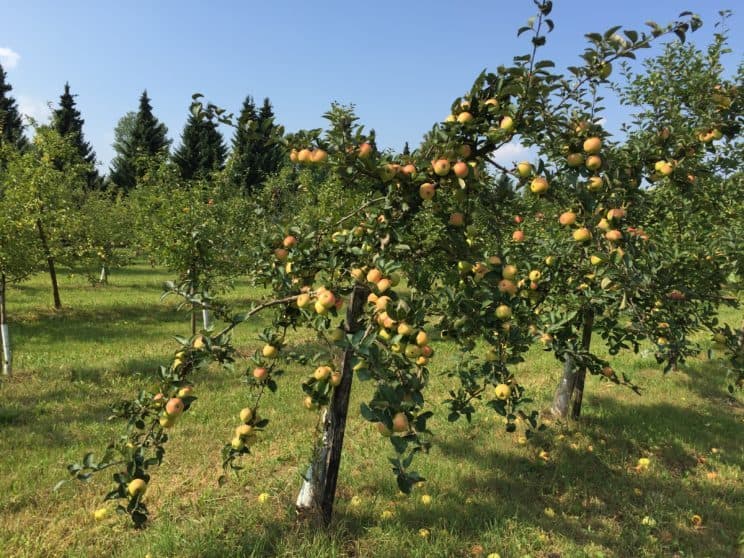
column 11, row 123
column 68, row 122
column 257, row 151
column 148, row 139
column 202, row 150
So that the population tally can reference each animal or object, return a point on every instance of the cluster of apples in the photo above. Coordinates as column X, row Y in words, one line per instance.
column 465, row 115
column 608, row 225
column 538, row 184
column 401, row 425
column 281, row 253
column 312, row 156
column 322, row 300
column 245, row 432
column 173, row 407
column 318, row 384
column 709, row 135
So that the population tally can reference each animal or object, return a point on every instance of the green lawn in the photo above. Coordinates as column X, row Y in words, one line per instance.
column 489, row 493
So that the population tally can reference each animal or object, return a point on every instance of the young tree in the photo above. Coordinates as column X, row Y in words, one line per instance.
column 257, row 151
column 11, row 124
column 45, row 185
column 202, row 150
column 147, row 139
column 68, row 122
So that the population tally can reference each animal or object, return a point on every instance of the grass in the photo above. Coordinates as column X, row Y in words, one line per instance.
column 489, row 493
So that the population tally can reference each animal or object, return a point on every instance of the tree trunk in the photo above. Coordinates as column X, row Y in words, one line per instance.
column 318, row 491
column 50, row 263
column 7, row 355
column 586, row 341
column 562, row 396
column 206, row 319
column 192, row 292
column 104, row 275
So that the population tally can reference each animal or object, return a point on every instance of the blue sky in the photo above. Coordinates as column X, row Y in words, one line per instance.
column 401, row 63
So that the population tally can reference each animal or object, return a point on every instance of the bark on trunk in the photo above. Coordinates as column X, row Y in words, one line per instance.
column 50, row 263
column 318, row 491
column 7, row 355
column 586, row 341
column 562, row 396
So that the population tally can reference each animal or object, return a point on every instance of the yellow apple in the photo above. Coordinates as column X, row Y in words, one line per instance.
column 137, row 487
column 592, row 145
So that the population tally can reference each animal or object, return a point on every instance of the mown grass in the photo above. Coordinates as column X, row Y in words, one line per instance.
column 489, row 493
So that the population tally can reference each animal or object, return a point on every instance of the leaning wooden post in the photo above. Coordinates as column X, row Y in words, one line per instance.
column 318, row 491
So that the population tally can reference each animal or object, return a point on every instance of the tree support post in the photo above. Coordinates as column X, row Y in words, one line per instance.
column 318, row 490
column 7, row 355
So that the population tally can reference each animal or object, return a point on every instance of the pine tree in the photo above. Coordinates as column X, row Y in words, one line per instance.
column 148, row 139
column 202, row 150
column 11, row 124
column 68, row 122
column 256, row 148
column 406, row 150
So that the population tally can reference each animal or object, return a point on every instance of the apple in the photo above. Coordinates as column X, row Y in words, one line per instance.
column 167, row 422
column 582, row 235
column 374, row 275
column 518, row 236
column 460, row 169
column 309, row 404
column 260, row 373
column 303, row 300
column 319, row 156
column 100, row 514
column 289, row 241
column 413, row 351
column 336, row 335
column 246, row 414
column 457, row 219
column 593, row 162
column 199, row 342
column 237, row 443
column 605, row 69
column 595, row 260
column 408, row 170
column 441, row 167
column 464, row 267
column 613, row 235
column 665, row 169
column 509, row 271
column 507, row 124
column 592, row 145
column 400, row 422
column 281, row 254
column 549, row 260
column 322, row 373
column 304, row 156
column 616, row 213
column 451, row 118
column 293, row 155
column 507, row 286
column 405, row 329
column 357, row 274
column 464, row 117
column 494, row 260
column 243, row 431
column 604, row 225
column 174, row 407
column 137, row 487
column 594, row 184
column 427, row 190
column 502, row 392
column 465, row 151
column 535, row 275
column 422, row 338
column 491, row 103
column 326, row 298
column 381, row 303
column 524, row 169
column 426, row 351
column 383, row 285
column 539, row 185
column 503, row 312
column 185, row 391
column 365, row 150
column 574, row 160
column 567, row 218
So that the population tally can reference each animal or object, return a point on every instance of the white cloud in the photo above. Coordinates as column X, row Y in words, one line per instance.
column 511, row 153
column 34, row 108
column 9, row 58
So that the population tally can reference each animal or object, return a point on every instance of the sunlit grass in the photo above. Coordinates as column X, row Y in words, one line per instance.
column 488, row 493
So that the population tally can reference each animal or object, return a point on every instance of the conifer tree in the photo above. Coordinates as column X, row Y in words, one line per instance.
column 69, row 123
column 202, row 150
column 11, row 123
column 148, row 139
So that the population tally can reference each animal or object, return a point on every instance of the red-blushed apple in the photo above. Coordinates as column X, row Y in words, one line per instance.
column 460, row 169
column 567, row 218
column 582, row 235
column 400, row 422
column 518, row 236
column 174, row 407
column 457, row 219
column 427, row 191
column 574, row 160
column 441, row 167
column 260, row 373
